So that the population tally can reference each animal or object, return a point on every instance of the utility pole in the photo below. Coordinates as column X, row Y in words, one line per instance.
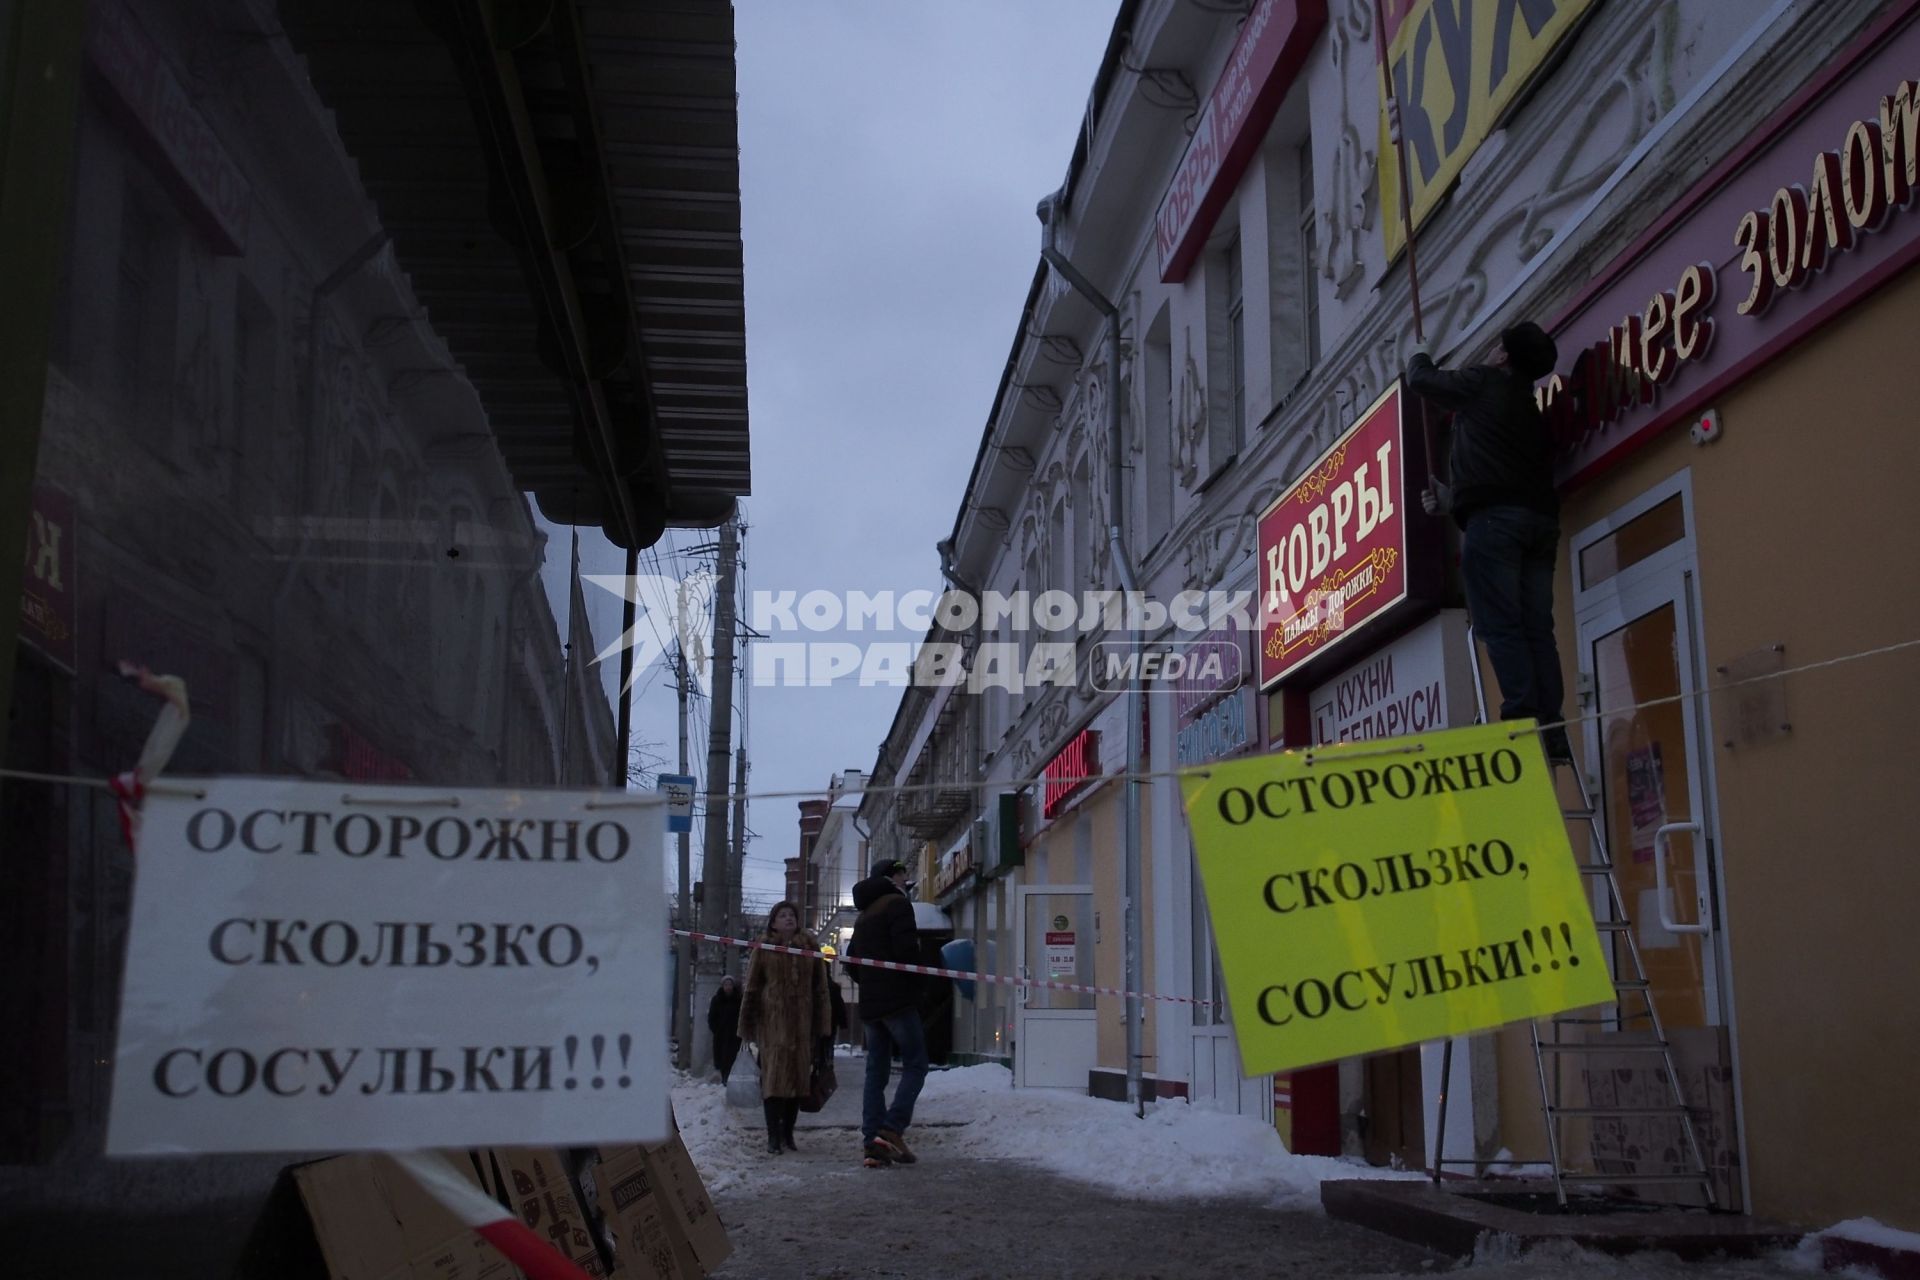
column 683, row 947
column 737, row 867
column 713, row 863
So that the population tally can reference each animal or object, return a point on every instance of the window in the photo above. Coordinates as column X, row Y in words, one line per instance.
column 1226, row 355
column 1291, row 246
column 1059, row 550
column 1237, row 338
column 1309, row 254
column 254, row 362
column 1085, row 536
column 1157, row 452
column 133, row 311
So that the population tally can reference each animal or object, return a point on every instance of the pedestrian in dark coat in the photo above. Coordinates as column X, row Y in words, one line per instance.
column 723, row 1020
column 785, row 1012
column 889, row 1012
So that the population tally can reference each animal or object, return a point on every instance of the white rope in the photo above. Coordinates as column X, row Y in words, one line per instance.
column 998, row 784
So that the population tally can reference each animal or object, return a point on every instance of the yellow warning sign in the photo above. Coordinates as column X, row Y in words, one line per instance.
column 1376, row 894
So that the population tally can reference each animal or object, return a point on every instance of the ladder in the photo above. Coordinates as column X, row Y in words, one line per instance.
column 1631, row 986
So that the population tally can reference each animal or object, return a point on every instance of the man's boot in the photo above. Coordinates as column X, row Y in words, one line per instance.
column 787, row 1121
column 776, row 1116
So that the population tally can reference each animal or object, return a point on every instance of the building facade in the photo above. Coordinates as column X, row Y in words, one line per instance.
column 266, row 467
column 1706, row 205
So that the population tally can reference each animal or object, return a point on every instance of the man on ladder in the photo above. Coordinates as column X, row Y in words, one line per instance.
column 1503, row 499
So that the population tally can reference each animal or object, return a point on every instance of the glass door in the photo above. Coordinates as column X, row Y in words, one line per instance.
column 1056, row 1040
column 1646, row 743
column 1648, row 756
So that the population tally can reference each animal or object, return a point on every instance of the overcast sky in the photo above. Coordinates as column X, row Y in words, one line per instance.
column 891, row 154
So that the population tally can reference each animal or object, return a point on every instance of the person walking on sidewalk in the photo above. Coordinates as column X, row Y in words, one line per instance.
column 723, row 1020
column 1503, row 499
column 785, row 1010
column 889, row 1011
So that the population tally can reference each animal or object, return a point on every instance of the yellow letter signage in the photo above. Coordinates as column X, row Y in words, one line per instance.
column 1456, row 66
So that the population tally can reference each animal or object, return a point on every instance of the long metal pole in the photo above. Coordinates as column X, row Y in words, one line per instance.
column 1130, row 809
column 737, row 865
column 623, row 767
column 713, row 863
column 1399, row 137
column 683, row 946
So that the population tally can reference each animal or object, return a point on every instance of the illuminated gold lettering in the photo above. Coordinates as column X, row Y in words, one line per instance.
column 1787, row 227
column 1656, row 360
column 1751, row 236
column 1693, row 331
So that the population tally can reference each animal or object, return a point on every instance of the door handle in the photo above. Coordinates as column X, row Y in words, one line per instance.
column 1667, row 921
column 1024, row 988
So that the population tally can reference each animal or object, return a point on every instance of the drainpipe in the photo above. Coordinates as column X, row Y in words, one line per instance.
column 1050, row 213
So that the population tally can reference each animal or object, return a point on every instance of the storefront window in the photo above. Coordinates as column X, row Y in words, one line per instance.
column 1651, row 531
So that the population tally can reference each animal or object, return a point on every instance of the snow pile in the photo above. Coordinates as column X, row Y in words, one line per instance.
column 1177, row 1151
column 717, row 1142
column 1811, row 1255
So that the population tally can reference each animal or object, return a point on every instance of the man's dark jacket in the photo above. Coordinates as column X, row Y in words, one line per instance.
column 1502, row 454
column 884, row 931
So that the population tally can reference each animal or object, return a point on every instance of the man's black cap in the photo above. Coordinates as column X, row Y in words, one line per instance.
column 890, row 867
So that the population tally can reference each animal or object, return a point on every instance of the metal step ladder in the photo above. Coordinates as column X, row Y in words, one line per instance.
column 1632, row 988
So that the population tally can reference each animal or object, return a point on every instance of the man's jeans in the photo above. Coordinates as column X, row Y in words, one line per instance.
column 1507, row 558
column 901, row 1034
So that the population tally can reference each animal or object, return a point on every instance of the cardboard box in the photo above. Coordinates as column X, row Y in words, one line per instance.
column 694, row 1213
column 647, row 1245
column 373, row 1222
column 1657, row 1144
column 533, row 1183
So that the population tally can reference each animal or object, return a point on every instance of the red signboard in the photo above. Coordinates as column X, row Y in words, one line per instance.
column 48, row 591
column 1333, row 549
column 1272, row 48
column 1812, row 213
column 1069, row 773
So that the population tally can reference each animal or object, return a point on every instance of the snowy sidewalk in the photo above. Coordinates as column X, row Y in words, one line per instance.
column 1032, row 1182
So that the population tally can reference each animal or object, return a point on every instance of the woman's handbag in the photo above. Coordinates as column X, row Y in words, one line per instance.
column 823, row 1084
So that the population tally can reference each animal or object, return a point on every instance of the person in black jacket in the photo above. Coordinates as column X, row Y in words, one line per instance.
column 889, row 1010
column 1503, row 499
column 723, row 1019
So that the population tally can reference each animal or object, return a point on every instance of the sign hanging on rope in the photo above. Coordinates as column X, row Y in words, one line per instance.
column 390, row 968
column 1380, row 894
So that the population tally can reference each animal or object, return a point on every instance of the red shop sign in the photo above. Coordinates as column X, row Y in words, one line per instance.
column 1333, row 549
column 1070, row 772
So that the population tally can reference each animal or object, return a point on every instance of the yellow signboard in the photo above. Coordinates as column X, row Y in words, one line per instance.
column 1377, row 894
column 1456, row 66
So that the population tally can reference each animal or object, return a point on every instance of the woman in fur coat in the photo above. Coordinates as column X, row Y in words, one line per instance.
column 785, row 1010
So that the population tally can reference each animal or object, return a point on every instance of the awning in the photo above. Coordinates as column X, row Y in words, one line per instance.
column 561, row 181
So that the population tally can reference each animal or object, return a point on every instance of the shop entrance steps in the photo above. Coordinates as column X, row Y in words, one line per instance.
column 1633, row 1010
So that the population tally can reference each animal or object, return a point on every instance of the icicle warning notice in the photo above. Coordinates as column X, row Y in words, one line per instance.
column 1378, row 894
column 312, row 969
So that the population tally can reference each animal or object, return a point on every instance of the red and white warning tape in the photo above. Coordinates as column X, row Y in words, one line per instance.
column 931, row 971
column 484, row 1215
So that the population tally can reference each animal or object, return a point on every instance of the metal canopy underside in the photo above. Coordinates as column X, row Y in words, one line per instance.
column 561, row 181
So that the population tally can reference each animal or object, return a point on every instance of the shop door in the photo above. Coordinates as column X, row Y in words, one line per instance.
column 1649, row 751
column 1216, row 1078
column 1056, row 1040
